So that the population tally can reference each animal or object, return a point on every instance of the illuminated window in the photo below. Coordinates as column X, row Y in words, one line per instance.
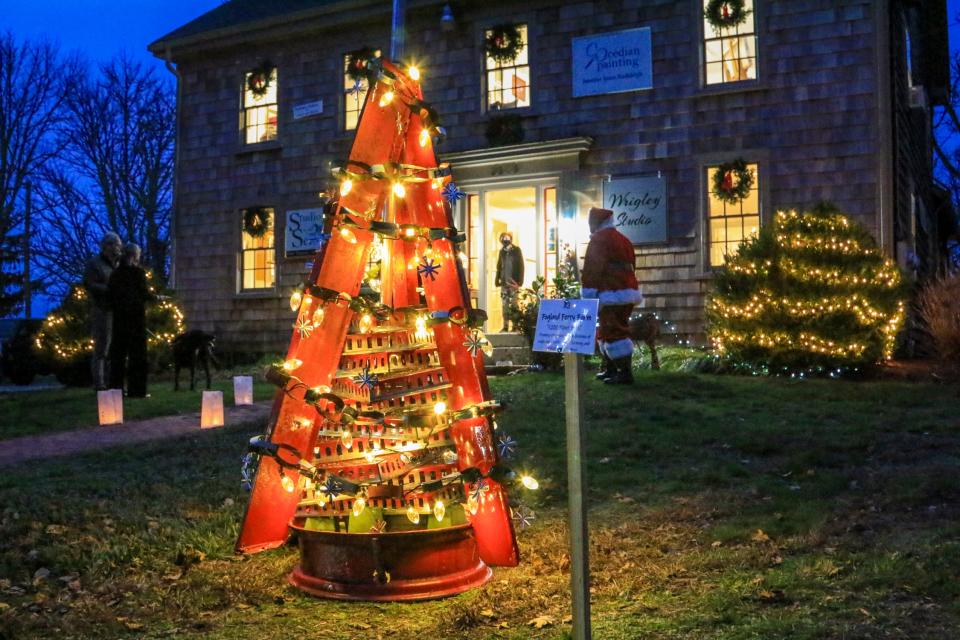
column 257, row 268
column 508, row 83
column 731, row 224
column 354, row 94
column 730, row 55
column 259, row 116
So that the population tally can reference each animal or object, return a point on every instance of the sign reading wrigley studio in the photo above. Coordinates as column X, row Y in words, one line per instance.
column 612, row 62
column 639, row 206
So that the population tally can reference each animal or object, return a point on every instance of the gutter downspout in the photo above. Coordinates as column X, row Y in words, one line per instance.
column 174, row 213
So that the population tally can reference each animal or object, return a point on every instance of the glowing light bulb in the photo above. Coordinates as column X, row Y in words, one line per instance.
column 359, row 505
column 413, row 72
column 295, row 299
column 386, row 98
column 366, row 321
column 347, row 439
column 472, row 505
column 318, row 314
column 292, row 363
column 369, row 456
column 440, row 408
column 323, row 388
column 529, row 482
column 424, row 137
column 348, row 235
column 399, row 190
column 287, row 483
column 345, row 186
column 413, row 515
column 410, row 232
column 437, row 183
column 421, row 332
column 439, row 510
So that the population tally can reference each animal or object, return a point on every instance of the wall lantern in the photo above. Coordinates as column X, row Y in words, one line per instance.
column 242, row 390
column 211, row 409
column 110, row 406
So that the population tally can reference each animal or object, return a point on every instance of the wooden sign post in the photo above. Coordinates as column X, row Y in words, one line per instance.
column 569, row 326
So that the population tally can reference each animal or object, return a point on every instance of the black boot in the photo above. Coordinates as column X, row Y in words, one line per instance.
column 623, row 371
column 606, row 368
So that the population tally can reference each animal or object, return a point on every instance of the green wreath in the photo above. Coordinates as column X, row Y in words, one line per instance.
column 256, row 222
column 732, row 181
column 504, row 43
column 724, row 14
column 258, row 82
column 360, row 65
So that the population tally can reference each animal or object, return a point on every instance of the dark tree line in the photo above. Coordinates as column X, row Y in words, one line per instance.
column 96, row 142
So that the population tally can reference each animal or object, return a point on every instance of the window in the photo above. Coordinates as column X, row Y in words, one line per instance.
column 731, row 224
column 354, row 93
column 508, row 83
column 257, row 269
column 259, row 117
column 730, row 55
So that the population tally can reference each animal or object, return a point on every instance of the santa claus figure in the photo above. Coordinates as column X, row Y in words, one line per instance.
column 608, row 274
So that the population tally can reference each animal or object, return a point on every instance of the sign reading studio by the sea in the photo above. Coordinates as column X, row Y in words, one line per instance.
column 639, row 206
column 612, row 62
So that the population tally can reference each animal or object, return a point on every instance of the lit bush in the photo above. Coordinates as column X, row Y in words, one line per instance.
column 811, row 293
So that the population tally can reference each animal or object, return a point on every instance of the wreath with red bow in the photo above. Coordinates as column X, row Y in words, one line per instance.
column 258, row 81
column 256, row 222
column 724, row 14
column 360, row 65
column 504, row 43
column 732, row 181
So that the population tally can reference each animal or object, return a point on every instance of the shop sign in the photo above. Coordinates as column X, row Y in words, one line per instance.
column 612, row 62
column 639, row 206
column 303, row 231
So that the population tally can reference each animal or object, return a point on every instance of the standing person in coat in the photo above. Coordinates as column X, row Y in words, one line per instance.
column 96, row 276
column 509, row 276
column 129, row 294
column 608, row 274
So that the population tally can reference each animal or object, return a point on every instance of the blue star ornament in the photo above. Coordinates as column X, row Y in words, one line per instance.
column 524, row 516
column 474, row 343
column 365, row 378
column 332, row 487
column 452, row 193
column 248, row 470
column 507, row 446
column 479, row 490
column 428, row 268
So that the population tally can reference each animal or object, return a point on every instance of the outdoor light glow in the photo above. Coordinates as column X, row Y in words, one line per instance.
column 424, row 137
column 421, row 332
column 410, row 232
column 366, row 321
column 413, row 515
column 359, row 505
column 399, row 190
column 472, row 505
column 295, row 298
column 345, row 186
column 439, row 510
column 413, row 72
column 287, row 483
column 348, row 235
column 292, row 363
column 437, row 183
column 386, row 98
column 440, row 408
column 321, row 389
column 529, row 482
column 317, row 315
column 347, row 439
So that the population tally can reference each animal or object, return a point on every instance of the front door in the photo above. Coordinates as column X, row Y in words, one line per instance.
column 528, row 214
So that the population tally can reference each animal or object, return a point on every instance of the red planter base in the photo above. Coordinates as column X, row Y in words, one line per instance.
column 404, row 565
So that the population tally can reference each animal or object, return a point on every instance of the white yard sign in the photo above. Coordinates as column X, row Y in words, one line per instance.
column 612, row 62
column 566, row 326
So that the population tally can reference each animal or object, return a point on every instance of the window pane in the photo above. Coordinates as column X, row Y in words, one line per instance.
column 250, row 99
column 718, row 230
column 508, row 83
column 730, row 54
column 731, row 224
column 712, row 50
column 716, row 254
column 257, row 258
column 714, row 73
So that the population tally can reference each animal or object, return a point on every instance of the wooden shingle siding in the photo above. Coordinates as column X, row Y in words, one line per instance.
column 811, row 121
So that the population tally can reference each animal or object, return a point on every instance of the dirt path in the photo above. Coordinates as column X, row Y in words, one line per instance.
column 64, row 443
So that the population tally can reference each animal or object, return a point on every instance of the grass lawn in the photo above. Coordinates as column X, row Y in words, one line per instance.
column 721, row 507
column 36, row 412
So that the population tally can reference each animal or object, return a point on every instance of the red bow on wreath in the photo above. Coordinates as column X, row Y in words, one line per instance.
column 726, row 11
column 728, row 180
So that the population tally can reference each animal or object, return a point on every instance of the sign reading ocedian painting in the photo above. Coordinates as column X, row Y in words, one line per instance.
column 302, row 233
column 612, row 62
column 639, row 206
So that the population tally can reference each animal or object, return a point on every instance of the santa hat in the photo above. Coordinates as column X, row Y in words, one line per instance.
column 599, row 216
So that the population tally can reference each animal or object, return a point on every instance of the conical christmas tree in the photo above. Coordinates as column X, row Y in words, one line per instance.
column 382, row 447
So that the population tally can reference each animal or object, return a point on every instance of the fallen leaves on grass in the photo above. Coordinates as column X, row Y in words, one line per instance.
column 542, row 621
column 760, row 536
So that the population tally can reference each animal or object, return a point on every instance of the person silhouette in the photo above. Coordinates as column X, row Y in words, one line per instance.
column 509, row 277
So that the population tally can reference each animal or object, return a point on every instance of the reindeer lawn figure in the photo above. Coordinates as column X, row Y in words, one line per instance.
column 645, row 328
column 191, row 349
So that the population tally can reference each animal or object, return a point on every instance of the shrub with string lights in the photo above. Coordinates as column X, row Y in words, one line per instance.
column 64, row 339
column 811, row 294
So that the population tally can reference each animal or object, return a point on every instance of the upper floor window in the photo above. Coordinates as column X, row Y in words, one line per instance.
column 259, row 117
column 507, row 65
column 730, row 52
column 257, row 255
column 354, row 90
column 731, row 223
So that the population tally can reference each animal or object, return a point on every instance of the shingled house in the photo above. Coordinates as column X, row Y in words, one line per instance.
column 629, row 103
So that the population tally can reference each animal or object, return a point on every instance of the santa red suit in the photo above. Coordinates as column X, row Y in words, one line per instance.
column 608, row 274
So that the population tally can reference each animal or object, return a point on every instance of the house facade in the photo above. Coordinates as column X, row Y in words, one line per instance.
column 629, row 104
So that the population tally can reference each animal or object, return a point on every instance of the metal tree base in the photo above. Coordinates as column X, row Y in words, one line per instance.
column 386, row 567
